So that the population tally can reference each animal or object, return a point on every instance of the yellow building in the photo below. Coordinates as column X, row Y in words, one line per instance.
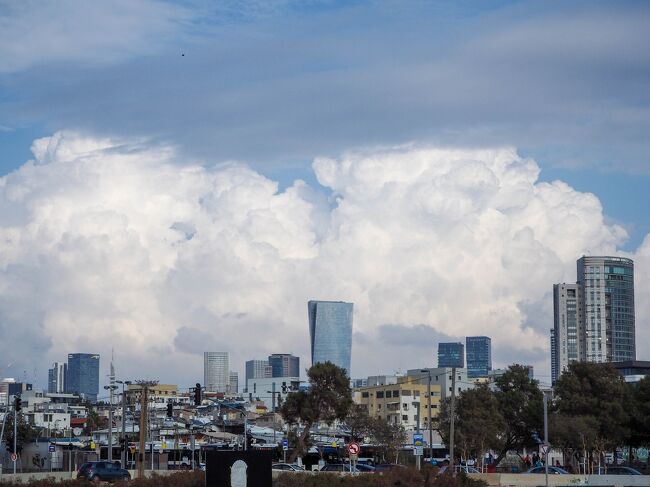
column 157, row 393
column 400, row 403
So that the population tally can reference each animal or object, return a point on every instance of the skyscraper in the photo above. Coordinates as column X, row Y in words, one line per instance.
column 234, row 383
column 216, row 371
column 330, row 330
column 478, row 351
column 451, row 355
column 56, row 377
column 284, row 365
column 565, row 342
column 594, row 319
column 83, row 375
column 257, row 369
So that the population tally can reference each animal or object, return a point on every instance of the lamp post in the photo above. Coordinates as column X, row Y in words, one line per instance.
column 123, row 435
column 273, row 392
column 428, row 372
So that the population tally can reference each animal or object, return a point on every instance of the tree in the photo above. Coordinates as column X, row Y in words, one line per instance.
column 640, row 416
column 359, row 422
column 599, row 395
column 575, row 436
column 479, row 424
column 521, row 405
column 26, row 434
column 328, row 399
column 391, row 436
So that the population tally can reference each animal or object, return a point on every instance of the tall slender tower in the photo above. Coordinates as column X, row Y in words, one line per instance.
column 216, row 371
column 330, row 330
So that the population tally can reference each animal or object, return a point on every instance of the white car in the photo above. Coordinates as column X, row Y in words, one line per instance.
column 287, row 467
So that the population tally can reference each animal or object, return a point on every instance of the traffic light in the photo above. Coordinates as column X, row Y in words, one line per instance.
column 18, row 404
column 197, row 394
column 170, row 410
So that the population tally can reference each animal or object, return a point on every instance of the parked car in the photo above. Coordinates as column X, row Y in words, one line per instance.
column 338, row 467
column 388, row 467
column 287, row 467
column 618, row 470
column 551, row 470
column 363, row 468
column 102, row 472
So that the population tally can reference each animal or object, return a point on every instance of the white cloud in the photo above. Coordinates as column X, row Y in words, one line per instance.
column 119, row 244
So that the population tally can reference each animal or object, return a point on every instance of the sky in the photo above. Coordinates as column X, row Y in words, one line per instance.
column 173, row 174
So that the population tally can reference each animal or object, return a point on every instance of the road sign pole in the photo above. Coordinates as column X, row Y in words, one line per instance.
column 546, row 439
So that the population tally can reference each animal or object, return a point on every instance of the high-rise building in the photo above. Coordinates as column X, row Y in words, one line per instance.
column 257, row 369
column 56, row 378
column 83, row 375
column 234, row 383
column 478, row 352
column 566, row 318
column 330, row 330
column 216, row 371
column 284, row 365
column 451, row 355
column 594, row 319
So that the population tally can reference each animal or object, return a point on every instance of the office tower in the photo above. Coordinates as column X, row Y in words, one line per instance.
column 56, row 378
column 83, row 375
column 330, row 331
column 594, row 319
column 234, row 383
column 257, row 369
column 606, row 287
column 284, row 365
column 216, row 371
column 566, row 318
column 478, row 352
column 451, row 355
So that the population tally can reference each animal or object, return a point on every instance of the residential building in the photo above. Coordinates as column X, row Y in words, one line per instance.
column 633, row 370
column 478, row 352
column 451, row 355
column 442, row 376
column 158, row 393
column 594, row 318
column 56, row 377
column 234, row 383
column 381, row 380
column 284, row 365
column 357, row 383
column 330, row 331
column 404, row 403
column 216, row 371
column 83, row 375
column 257, row 369
column 496, row 373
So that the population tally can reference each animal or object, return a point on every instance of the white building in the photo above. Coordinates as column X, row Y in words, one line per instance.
column 216, row 371
column 56, row 377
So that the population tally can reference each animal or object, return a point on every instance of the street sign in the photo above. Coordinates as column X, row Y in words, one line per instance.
column 418, row 451
column 354, row 448
column 51, row 448
column 545, row 449
column 418, row 439
column 14, row 457
column 285, row 444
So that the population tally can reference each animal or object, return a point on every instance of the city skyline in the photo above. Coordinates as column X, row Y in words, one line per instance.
column 442, row 192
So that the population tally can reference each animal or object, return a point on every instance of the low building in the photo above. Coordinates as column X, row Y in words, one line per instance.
column 161, row 393
column 404, row 403
column 632, row 370
column 443, row 377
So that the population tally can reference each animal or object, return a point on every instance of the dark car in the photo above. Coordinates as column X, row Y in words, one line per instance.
column 388, row 467
column 551, row 470
column 338, row 467
column 363, row 468
column 102, row 472
column 618, row 470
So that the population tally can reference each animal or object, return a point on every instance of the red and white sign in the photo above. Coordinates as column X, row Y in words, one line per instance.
column 354, row 448
column 14, row 457
column 545, row 449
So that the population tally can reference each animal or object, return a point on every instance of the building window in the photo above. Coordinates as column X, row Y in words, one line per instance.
column 365, row 395
column 405, row 417
column 380, row 394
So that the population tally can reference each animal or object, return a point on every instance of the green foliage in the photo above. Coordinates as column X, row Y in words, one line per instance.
column 329, row 398
column 390, row 435
column 26, row 433
column 599, row 396
column 359, row 422
column 640, row 417
column 521, row 404
column 479, row 423
column 179, row 479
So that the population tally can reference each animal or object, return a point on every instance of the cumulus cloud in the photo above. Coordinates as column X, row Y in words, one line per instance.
column 120, row 244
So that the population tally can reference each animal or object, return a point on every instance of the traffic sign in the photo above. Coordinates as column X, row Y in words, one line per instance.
column 545, row 448
column 418, row 439
column 285, row 444
column 14, row 457
column 51, row 448
column 354, row 448
column 418, row 451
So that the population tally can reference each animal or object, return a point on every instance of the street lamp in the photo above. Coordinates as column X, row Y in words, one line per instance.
column 273, row 393
column 110, row 388
column 428, row 372
column 123, row 435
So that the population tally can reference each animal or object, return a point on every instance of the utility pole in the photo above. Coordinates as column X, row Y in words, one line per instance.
column 110, row 388
column 418, row 458
column 123, row 436
column 16, row 409
column 452, row 418
column 546, row 447
column 144, row 399
column 429, row 415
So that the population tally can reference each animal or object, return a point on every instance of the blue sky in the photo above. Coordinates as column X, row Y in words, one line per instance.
column 276, row 84
column 351, row 94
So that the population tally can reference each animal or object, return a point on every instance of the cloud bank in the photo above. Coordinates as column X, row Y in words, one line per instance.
column 122, row 244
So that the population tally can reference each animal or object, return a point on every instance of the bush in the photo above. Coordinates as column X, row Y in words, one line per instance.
column 408, row 477
column 178, row 479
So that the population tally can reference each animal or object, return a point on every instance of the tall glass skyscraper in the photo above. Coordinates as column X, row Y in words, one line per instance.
column 284, row 365
column 451, row 355
column 478, row 351
column 83, row 375
column 594, row 319
column 330, row 330
column 216, row 371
